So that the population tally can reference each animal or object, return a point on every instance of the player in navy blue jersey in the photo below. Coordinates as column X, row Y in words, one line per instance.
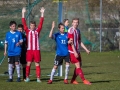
column 13, row 43
column 61, row 51
column 23, row 51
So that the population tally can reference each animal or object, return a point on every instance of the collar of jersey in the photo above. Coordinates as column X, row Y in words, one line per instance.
column 12, row 32
column 61, row 33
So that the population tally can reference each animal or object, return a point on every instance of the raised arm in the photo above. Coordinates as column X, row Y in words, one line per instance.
column 83, row 46
column 41, row 19
column 51, row 31
column 23, row 19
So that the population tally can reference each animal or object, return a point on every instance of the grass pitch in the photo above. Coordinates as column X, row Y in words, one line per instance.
column 102, row 69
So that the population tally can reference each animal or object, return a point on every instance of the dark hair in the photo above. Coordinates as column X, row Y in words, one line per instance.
column 20, row 26
column 65, row 20
column 12, row 22
column 33, row 22
column 75, row 19
column 60, row 24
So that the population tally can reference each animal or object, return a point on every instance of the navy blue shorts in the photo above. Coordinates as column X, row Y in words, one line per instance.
column 59, row 59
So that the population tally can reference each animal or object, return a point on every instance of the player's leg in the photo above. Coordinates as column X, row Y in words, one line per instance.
column 28, row 65
column 23, row 63
column 29, row 58
column 38, row 71
column 57, row 61
column 73, row 61
column 80, row 73
column 52, row 74
column 10, row 68
column 17, row 64
column 67, row 66
column 37, row 59
column 24, row 71
column 73, row 80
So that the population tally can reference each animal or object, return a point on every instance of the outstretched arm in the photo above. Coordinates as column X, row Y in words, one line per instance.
column 23, row 19
column 41, row 19
column 51, row 31
column 83, row 46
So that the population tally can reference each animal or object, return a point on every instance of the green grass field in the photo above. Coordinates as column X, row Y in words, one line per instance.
column 102, row 69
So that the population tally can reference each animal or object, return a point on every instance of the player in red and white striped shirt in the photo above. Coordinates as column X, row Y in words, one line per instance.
column 74, row 49
column 33, row 49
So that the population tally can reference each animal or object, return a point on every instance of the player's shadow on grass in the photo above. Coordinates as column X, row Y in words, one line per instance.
column 95, row 73
column 104, row 81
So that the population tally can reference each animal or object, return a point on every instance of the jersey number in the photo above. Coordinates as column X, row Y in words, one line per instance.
column 63, row 41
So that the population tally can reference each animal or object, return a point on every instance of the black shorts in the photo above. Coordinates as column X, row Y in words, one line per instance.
column 13, row 59
column 23, row 58
column 59, row 59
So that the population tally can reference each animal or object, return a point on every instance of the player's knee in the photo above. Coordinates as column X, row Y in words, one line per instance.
column 37, row 64
column 77, row 65
column 55, row 67
column 28, row 63
column 67, row 63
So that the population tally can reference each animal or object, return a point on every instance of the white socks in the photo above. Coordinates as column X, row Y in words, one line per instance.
column 52, row 74
column 67, row 71
column 18, row 70
column 10, row 70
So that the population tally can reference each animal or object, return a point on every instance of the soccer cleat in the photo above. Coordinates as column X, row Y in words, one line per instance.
column 49, row 82
column 38, row 80
column 10, row 80
column 27, row 80
column 86, row 82
column 66, row 81
column 18, row 79
column 74, row 82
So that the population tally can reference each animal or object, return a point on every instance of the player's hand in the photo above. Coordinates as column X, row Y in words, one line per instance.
column 76, row 55
column 53, row 24
column 5, row 53
column 88, row 52
column 24, row 10
column 70, row 41
column 18, row 44
column 42, row 10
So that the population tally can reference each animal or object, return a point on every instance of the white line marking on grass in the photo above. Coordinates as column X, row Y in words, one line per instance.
column 13, row 75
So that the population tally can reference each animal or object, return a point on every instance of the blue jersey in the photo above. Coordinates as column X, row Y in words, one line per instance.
column 62, row 44
column 12, row 38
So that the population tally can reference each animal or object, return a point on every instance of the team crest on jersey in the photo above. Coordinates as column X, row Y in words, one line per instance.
column 13, row 40
column 16, row 36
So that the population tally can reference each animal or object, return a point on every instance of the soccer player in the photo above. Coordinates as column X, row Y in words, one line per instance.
column 13, row 41
column 61, row 51
column 74, row 35
column 33, row 49
column 66, row 23
column 23, row 52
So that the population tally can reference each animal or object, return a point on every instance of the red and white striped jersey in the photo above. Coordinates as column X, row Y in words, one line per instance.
column 33, row 35
column 75, row 35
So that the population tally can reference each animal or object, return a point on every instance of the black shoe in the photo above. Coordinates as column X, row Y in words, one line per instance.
column 10, row 80
column 18, row 80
